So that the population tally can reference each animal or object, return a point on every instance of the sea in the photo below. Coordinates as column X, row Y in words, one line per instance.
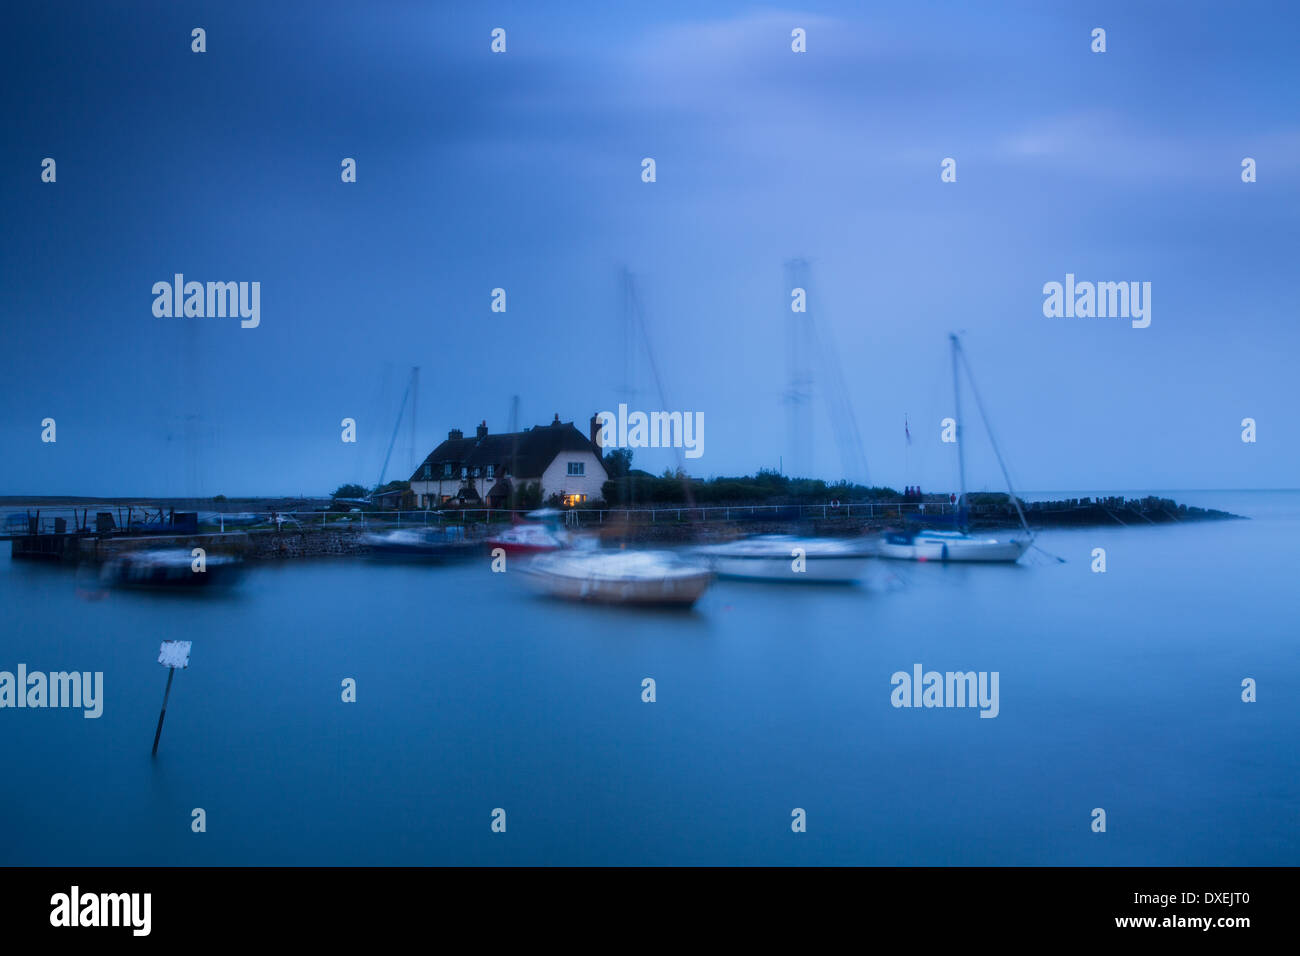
column 492, row 726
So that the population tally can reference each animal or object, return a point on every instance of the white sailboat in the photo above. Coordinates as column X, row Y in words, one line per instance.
column 644, row 578
column 961, row 545
column 952, row 546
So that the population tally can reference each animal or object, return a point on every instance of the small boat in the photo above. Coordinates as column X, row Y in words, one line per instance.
column 784, row 557
column 436, row 543
column 172, row 568
column 951, row 546
column 528, row 539
column 642, row 578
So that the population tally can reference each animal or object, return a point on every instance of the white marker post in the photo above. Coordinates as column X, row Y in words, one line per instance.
column 172, row 654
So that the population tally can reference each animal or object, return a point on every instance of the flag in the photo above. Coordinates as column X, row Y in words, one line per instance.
column 906, row 431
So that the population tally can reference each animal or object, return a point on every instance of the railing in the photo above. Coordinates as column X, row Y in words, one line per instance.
column 576, row 517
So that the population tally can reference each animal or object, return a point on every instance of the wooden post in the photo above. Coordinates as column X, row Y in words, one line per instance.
column 171, row 672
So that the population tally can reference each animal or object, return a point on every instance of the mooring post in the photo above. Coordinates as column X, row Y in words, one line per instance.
column 171, row 655
column 171, row 672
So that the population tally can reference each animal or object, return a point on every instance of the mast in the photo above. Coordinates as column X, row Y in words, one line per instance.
column 412, row 381
column 988, row 427
column 956, row 398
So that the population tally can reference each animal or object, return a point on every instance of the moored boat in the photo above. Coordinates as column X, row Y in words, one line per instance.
column 962, row 545
column 643, row 578
column 951, row 546
column 172, row 568
column 527, row 539
column 436, row 543
column 781, row 557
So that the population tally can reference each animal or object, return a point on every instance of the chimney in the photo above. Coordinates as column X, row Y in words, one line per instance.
column 482, row 429
column 595, row 431
column 455, row 434
column 556, row 423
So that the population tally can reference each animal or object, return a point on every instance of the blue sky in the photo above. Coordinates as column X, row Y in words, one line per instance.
column 522, row 171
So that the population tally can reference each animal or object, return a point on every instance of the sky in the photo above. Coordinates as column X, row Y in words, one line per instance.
column 522, row 170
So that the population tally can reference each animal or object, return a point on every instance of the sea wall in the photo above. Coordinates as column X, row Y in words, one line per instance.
column 305, row 543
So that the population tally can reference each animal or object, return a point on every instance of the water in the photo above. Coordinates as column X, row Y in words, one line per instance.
column 1118, row 690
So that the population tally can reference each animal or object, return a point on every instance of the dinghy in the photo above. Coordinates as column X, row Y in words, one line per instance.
column 961, row 545
column 639, row 578
column 784, row 557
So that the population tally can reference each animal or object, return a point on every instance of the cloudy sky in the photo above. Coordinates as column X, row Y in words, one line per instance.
column 522, row 171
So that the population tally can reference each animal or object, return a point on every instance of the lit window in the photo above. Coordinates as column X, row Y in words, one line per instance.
column 572, row 500
column 577, row 468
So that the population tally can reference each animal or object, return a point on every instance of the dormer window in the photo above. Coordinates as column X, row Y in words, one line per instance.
column 428, row 472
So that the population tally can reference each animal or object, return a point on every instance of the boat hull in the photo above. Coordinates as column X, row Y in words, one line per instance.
column 588, row 578
column 420, row 546
column 170, row 573
column 817, row 569
column 775, row 558
column 527, row 539
column 922, row 547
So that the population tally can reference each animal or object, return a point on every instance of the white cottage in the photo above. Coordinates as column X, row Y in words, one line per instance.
column 481, row 471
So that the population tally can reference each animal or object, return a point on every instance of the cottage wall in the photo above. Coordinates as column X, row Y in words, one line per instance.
column 557, row 480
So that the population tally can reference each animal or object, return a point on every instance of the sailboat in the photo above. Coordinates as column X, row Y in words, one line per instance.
column 770, row 557
column 624, row 576
column 641, row 578
column 961, row 545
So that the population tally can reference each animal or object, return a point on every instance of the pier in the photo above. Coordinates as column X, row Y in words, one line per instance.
column 63, row 535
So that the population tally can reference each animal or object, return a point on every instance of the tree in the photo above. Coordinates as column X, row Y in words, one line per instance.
column 618, row 463
column 530, row 496
column 349, row 491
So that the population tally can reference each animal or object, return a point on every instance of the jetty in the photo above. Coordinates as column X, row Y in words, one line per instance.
column 75, row 534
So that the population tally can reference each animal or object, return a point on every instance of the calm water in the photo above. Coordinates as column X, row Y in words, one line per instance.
column 1118, row 690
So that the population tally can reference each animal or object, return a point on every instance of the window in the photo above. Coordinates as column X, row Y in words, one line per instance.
column 464, row 472
column 446, row 470
column 475, row 472
column 577, row 468
column 491, row 471
column 571, row 500
column 428, row 472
